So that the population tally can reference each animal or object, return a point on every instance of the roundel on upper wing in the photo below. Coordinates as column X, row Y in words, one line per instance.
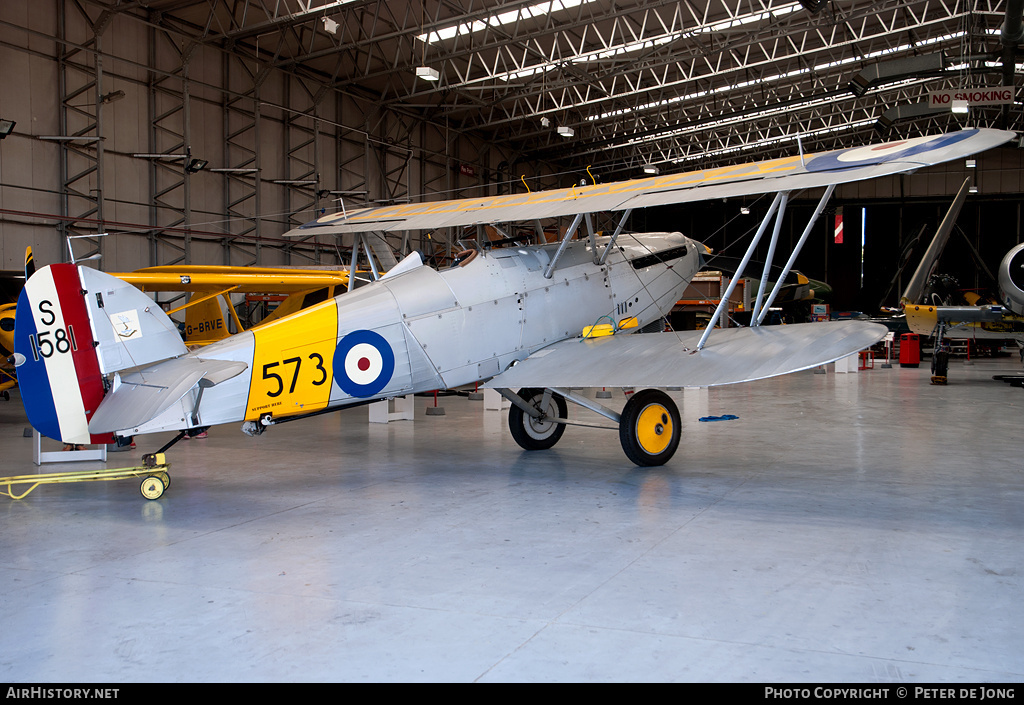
column 877, row 154
column 363, row 363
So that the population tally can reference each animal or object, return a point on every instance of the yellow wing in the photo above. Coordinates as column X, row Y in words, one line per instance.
column 244, row 280
column 209, row 308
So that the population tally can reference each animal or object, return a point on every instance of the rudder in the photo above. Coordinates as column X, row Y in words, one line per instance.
column 58, row 370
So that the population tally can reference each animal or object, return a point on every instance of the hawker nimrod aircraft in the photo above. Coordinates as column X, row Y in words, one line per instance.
column 97, row 359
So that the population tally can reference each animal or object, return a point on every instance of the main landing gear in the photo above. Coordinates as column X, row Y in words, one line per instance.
column 649, row 426
column 542, row 431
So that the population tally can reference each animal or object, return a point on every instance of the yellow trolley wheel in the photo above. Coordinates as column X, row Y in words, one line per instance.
column 152, row 487
column 165, row 478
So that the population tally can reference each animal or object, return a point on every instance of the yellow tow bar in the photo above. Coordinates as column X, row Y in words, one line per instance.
column 154, row 471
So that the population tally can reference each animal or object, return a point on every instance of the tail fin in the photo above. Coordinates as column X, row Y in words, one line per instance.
column 30, row 264
column 915, row 287
column 73, row 326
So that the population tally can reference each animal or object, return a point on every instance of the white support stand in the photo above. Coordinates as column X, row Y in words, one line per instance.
column 493, row 401
column 850, row 363
column 889, row 341
column 39, row 456
column 405, row 410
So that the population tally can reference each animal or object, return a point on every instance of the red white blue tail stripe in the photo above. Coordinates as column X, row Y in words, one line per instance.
column 58, row 371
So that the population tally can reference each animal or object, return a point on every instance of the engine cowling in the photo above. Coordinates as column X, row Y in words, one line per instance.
column 1011, row 280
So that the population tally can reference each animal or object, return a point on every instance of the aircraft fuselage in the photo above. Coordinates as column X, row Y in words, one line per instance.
column 424, row 329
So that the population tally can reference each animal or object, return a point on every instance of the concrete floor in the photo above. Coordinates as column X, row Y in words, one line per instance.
column 860, row 527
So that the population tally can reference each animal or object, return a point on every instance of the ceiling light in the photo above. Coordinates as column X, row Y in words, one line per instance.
column 541, row 9
column 194, row 165
column 544, row 122
column 960, row 107
column 112, row 96
column 970, row 164
column 566, row 131
column 972, row 189
column 744, row 210
column 650, row 169
column 894, row 70
column 330, row 25
column 427, row 73
column 6, row 127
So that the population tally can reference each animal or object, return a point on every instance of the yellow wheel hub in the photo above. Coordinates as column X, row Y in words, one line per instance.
column 654, row 429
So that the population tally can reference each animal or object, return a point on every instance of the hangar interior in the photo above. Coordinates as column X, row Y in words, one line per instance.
column 858, row 526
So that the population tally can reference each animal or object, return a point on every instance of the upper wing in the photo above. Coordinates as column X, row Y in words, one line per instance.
column 790, row 173
column 670, row 360
column 250, row 280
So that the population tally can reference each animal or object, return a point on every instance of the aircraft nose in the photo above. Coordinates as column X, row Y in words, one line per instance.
column 703, row 251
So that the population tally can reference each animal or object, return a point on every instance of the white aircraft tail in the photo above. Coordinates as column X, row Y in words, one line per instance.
column 73, row 326
column 915, row 287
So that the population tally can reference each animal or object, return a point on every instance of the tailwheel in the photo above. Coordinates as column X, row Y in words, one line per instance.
column 537, row 433
column 650, row 427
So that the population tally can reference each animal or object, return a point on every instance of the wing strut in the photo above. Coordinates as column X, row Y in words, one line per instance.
column 591, row 237
column 768, row 260
column 615, row 235
column 538, row 230
column 760, row 309
column 796, row 251
column 369, row 256
column 779, row 200
column 201, row 299
column 561, row 247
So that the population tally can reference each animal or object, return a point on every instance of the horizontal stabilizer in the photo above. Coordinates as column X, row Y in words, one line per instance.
column 668, row 359
column 145, row 394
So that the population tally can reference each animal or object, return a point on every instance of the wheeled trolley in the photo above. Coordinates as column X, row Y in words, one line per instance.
column 153, row 471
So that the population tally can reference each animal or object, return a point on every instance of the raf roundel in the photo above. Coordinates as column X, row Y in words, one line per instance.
column 881, row 153
column 363, row 363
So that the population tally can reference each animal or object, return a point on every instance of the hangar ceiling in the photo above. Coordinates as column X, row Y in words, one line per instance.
column 637, row 82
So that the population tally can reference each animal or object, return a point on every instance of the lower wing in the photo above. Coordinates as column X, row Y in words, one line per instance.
column 671, row 360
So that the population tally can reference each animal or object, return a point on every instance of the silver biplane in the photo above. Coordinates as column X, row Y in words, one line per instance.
column 97, row 359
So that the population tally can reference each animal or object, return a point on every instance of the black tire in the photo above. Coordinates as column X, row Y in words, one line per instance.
column 650, row 428
column 940, row 363
column 537, row 434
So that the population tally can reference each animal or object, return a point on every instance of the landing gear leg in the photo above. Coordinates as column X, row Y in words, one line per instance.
column 940, row 358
